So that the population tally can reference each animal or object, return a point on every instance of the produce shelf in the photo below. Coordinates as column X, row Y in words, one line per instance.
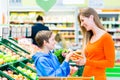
column 5, row 75
column 29, row 63
column 13, row 39
column 28, row 67
column 13, row 45
column 15, row 48
column 11, row 73
column 25, row 70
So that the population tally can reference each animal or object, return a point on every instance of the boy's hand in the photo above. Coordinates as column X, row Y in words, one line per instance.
column 68, row 56
column 65, row 52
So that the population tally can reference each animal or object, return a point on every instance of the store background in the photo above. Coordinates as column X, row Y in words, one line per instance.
column 19, row 15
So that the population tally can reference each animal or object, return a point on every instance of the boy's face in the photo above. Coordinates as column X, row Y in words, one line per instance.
column 50, row 45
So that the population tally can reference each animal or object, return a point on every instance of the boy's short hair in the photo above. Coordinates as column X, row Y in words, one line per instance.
column 42, row 36
column 39, row 18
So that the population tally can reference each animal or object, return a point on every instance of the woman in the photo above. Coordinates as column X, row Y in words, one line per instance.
column 98, row 45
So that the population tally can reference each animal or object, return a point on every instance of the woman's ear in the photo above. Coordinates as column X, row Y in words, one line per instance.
column 91, row 17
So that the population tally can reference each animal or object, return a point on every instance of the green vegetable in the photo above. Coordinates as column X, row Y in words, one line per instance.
column 58, row 53
column 65, row 51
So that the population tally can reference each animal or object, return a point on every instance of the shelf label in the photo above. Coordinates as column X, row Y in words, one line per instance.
column 73, row 1
column 118, row 30
column 96, row 3
column 46, row 4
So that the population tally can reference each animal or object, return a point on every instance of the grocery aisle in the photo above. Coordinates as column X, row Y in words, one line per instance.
column 20, row 15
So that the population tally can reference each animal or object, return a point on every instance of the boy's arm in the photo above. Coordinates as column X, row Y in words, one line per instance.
column 44, row 69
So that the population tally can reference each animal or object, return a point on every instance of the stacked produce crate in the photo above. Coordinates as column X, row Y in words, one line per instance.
column 15, row 62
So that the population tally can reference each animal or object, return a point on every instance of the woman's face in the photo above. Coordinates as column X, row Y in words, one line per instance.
column 86, row 22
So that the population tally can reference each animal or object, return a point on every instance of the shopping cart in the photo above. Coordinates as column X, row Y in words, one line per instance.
column 66, row 78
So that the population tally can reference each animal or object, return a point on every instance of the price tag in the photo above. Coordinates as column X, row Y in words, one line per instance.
column 96, row 3
column 73, row 1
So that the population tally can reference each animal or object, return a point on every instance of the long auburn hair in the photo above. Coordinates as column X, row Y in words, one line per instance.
column 86, row 12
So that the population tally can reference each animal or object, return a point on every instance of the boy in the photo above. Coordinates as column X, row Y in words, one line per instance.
column 45, row 61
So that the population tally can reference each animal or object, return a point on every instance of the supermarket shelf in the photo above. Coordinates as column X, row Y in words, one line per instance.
column 117, row 45
column 64, row 21
column 69, row 36
column 113, row 30
column 23, row 59
column 80, row 37
column 110, row 22
column 5, row 75
column 100, row 12
column 37, row 8
column 117, row 64
column 54, row 28
column 16, row 45
column 32, row 22
column 116, row 37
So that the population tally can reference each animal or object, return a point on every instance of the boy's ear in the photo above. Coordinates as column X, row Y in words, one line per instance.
column 44, row 42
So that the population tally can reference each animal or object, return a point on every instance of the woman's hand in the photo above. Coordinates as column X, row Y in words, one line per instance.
column 81, row 62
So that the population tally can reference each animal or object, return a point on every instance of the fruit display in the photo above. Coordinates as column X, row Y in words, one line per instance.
column 10, row 55
column 3, row 78
column 7, row 46
column 30, row 65
column 7, row 55
column 26, row 43
column 30, row 48
column 11, row 73
column 5, row 58
column 15, row 75
column 28, row 72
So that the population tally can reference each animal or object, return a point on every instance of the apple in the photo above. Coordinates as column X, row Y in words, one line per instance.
column 1, row 61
